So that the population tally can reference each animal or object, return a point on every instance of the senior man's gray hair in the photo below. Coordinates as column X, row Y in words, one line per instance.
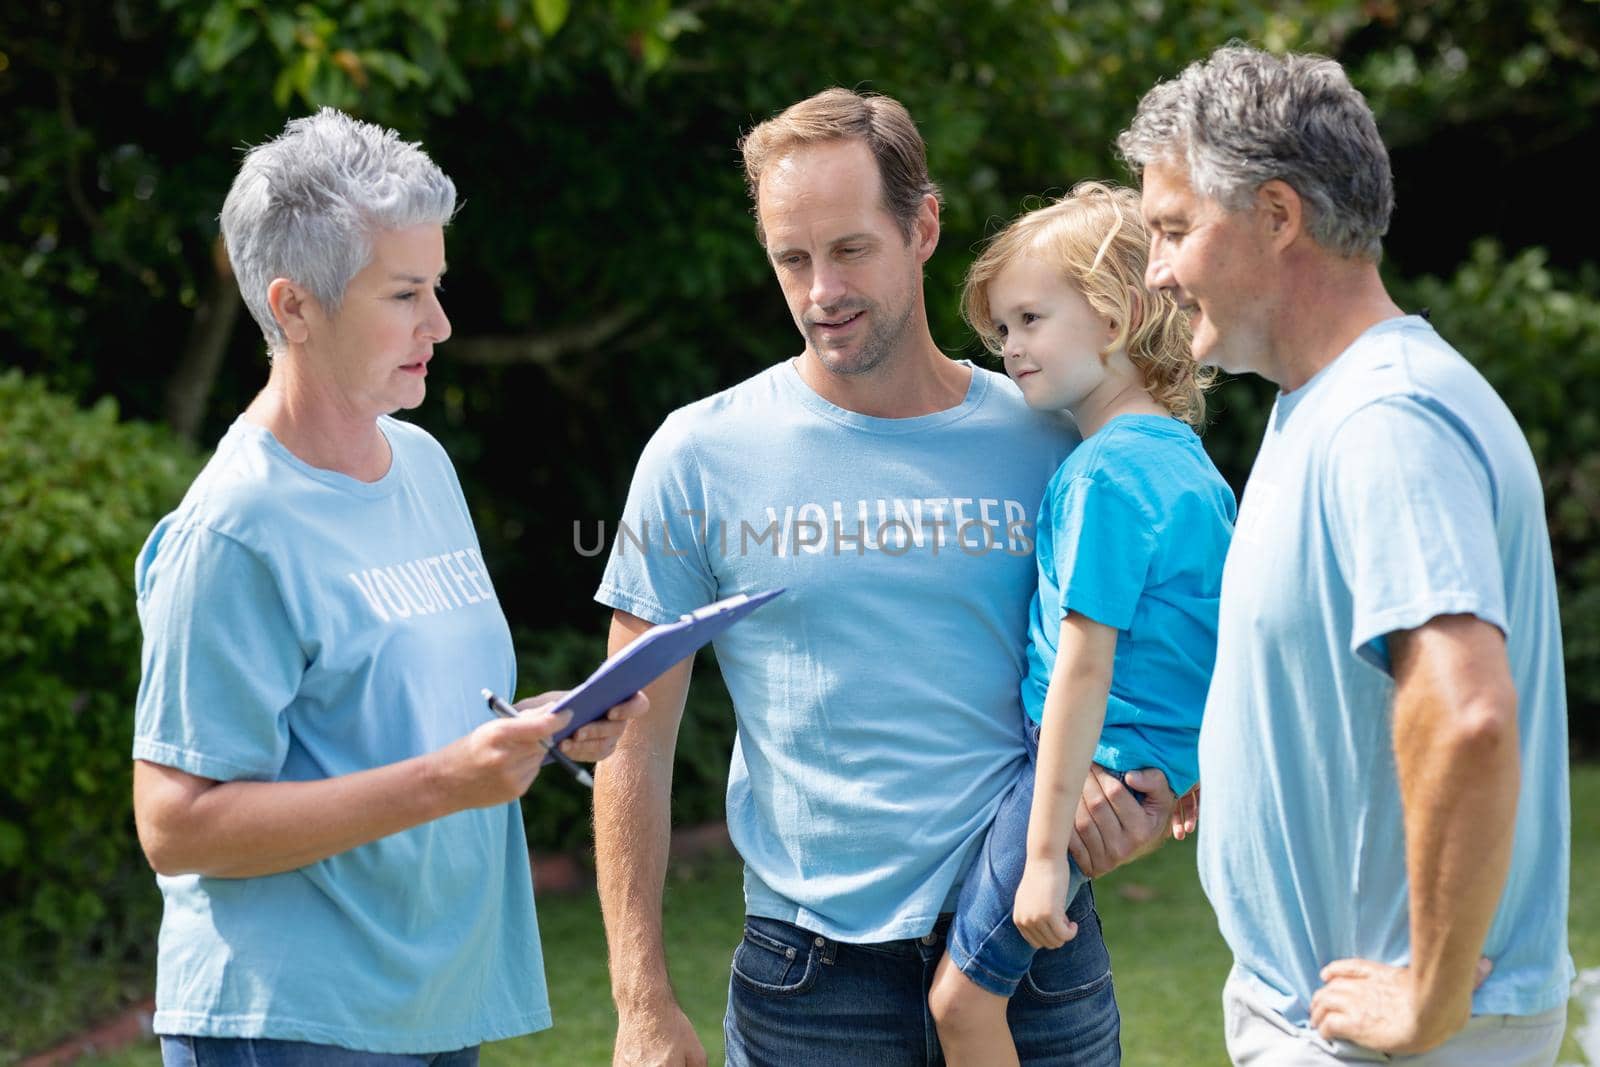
column 305, row 206
column 1244, row 117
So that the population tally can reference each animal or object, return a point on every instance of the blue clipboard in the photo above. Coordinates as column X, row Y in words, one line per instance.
column 650, row 656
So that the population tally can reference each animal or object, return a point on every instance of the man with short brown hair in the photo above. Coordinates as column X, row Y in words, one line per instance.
column 891, row 490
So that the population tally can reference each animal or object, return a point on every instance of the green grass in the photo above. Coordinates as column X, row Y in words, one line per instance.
column 35, row 1013
column 1583, row 924
column 704, row 917
column 1169, row 960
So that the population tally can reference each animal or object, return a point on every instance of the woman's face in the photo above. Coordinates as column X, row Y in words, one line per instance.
column 372, row 356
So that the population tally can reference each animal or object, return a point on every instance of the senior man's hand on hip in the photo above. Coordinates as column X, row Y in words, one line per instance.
column 1379, row 1006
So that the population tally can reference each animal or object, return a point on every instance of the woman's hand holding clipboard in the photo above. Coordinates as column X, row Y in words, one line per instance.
column 649, row 657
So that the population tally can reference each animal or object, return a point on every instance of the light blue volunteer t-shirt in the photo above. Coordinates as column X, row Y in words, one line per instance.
column 1391, row 488
column 1132, row 534
column 298, row 625
column 879, row 722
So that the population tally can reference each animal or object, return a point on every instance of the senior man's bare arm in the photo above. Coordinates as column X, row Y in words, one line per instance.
column 1456, row 756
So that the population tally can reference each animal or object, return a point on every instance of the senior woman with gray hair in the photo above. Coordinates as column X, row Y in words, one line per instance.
column 333, row 821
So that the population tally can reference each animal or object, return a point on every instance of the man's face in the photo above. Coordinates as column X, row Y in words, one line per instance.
column 1216, row 264
column 852, row 281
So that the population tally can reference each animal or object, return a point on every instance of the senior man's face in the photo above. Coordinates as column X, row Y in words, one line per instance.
column 374, row 352
column 1214, row 263
column 851, row 279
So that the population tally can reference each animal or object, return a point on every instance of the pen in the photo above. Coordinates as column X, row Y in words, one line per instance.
column 506, row 711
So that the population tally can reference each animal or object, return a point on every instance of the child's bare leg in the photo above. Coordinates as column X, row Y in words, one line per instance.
column 971, row 1020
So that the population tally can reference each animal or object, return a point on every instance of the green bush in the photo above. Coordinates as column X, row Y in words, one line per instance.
column 79, row 491
column 1535, row 334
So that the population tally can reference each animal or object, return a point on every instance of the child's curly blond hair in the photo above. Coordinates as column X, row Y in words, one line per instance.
column 1097, row 239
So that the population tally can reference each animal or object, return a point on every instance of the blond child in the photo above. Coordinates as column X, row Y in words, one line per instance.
column 1131, row 538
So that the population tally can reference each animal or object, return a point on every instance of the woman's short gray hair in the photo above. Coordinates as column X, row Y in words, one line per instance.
column 305, row 205
column 1244, row 117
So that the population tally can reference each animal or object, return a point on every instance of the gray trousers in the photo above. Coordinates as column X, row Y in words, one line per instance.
column 1259, row 1037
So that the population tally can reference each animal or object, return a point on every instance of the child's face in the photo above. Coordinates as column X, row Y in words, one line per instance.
column 1052, row 338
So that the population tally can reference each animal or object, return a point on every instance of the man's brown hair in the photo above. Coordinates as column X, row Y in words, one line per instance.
column 880, row 122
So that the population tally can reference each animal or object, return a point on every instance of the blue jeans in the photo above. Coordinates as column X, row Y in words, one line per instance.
column 799, row 998
column 184, row 1051
column 985, row 944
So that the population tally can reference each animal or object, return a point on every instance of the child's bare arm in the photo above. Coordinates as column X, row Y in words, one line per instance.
column 1074, row 712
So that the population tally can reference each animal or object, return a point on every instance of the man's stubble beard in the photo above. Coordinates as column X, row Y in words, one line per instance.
column 880, row 344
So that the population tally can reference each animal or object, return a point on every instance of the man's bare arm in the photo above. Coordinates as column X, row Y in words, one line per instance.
column 632, row 831
column 1456, row 754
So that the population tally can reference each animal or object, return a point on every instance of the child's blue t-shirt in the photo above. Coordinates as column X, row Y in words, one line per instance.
column 298, row 625
column 1133, row 532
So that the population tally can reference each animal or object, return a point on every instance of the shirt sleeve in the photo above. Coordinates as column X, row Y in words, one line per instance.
column 1410, row 504
column 659, row 567
column 221, row 662
column 1103, row 551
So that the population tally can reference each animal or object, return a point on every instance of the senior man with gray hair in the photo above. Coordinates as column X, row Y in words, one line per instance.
column 1384, row 747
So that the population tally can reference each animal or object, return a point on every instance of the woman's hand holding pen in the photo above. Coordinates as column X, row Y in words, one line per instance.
column 498, row 761
column 596, row 740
